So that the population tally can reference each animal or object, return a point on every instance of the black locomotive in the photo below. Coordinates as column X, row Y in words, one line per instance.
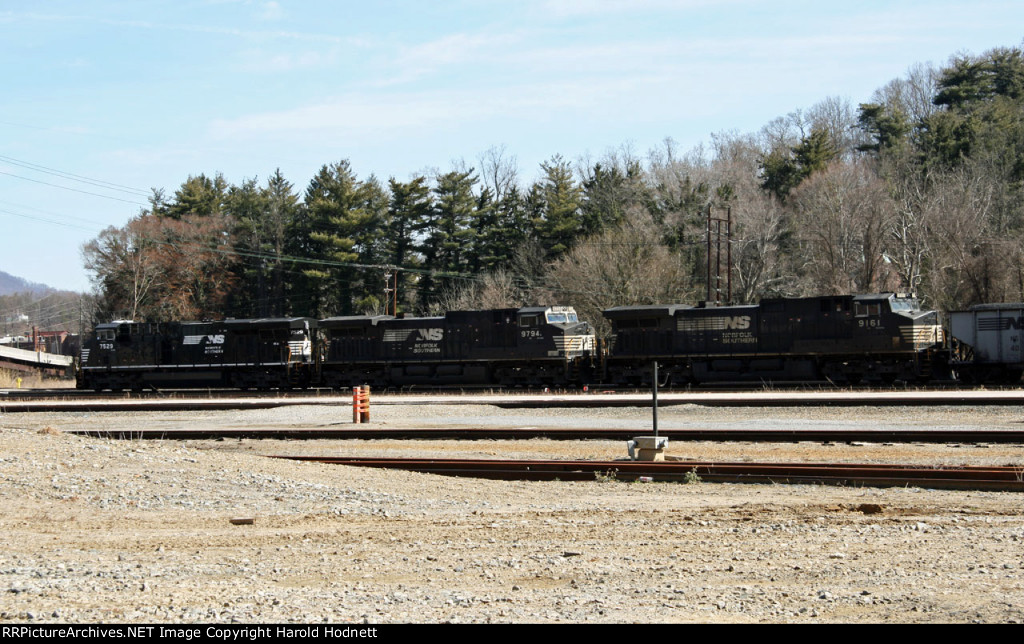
column 841, row 339
column 527, row 346
column 241, row 354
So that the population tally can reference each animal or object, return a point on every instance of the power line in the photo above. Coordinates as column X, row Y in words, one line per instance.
column 84, row 192
column 75, row 177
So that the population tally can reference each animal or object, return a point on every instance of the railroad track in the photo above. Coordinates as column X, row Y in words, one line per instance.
column 454, row 391
column 1009, row 479
column 368, row 432
column 249, row 400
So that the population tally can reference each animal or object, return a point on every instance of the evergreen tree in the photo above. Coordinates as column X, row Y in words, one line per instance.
column 408, row 214
column 784, row 169
column 504, row 229
column 199, row 196
column 608, row 194
column 559, row 223
column 451, row 233
column 337, row 218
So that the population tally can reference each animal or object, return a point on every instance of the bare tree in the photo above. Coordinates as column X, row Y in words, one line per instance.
column 629, row 265
column 125, row 266
column 499, row 171
column 495, row 290
column 912, row 95
column 837, row 117
column 843, row 214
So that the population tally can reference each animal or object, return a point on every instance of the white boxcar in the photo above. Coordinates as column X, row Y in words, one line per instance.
column 988, row 342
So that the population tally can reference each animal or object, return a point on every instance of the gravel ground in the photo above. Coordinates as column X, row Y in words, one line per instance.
column 140, row 531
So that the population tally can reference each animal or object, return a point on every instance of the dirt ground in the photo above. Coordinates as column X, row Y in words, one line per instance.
column 101, row 530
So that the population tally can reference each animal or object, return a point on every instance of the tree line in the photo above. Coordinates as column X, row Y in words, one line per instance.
column 918, row 190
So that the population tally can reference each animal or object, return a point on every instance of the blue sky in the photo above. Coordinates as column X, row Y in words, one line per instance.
column 133, row 95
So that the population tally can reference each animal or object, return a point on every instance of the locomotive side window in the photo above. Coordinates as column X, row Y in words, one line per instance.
column 528, row 321
column 870, row 309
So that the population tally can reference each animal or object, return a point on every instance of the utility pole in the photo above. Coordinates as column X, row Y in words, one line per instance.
column 719, row 234
column 391, row 291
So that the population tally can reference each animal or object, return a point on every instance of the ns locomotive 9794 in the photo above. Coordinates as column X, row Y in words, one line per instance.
column 243, row 354
column 526, row 346
column 842, row 339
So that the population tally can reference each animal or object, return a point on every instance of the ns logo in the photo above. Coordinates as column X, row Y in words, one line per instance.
column 431, row 335
column 737, row 322
column 215, row 339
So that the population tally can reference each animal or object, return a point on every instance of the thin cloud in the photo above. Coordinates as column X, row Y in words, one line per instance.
column 256, row 34
column 372, row 115
column 270, row 11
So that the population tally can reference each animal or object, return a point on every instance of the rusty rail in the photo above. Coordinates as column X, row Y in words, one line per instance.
column 867, row 475
column 351, row 432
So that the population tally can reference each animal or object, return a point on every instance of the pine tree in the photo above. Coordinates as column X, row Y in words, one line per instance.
column 336, row 220
column 559, row 223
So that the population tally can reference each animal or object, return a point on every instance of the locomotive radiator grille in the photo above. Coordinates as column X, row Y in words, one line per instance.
column 921, row 336
column 570, row 344
column 397, row 335
column 701, row 324
column 299, row 349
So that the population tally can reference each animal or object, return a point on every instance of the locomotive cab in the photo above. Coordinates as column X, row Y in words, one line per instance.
column 555, row 330
column 897, row 323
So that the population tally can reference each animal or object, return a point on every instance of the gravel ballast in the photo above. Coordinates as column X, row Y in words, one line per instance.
column 99, row 530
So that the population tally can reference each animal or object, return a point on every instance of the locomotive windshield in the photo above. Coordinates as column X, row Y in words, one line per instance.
column 903, row 304
column 562, row 317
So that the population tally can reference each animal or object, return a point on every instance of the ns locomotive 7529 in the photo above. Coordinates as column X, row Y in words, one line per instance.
column 243, row 354
column 842, row 339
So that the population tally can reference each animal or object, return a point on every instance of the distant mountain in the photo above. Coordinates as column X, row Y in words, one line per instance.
column 9, row 285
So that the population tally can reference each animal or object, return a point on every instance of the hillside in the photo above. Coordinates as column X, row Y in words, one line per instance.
column 10, row 284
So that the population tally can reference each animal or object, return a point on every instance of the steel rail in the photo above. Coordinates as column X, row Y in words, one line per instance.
column 868, row 475
column 11, row 403
column 363, row 432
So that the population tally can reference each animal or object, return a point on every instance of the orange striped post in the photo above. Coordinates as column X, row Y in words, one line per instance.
column 361, row 404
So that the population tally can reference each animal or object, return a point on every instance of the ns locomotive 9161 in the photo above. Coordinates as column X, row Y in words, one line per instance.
column 842, row 339
column 242, row 354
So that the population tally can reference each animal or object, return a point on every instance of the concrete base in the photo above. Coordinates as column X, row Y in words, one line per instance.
column 647, row 448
